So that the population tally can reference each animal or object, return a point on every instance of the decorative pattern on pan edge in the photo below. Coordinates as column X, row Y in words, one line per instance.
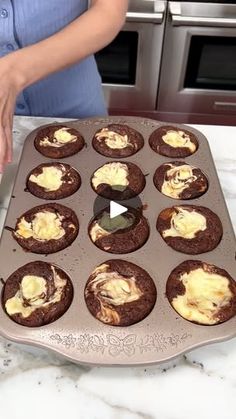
column 114, row 345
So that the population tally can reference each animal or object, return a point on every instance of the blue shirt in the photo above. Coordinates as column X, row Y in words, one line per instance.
column 75, row 92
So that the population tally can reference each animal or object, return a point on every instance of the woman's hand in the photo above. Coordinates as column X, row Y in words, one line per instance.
column 85, row 35
column 10, row 86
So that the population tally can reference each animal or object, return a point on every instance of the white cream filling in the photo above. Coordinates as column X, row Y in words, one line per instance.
column 177, row 180
column 185, row 223
column 178, row 139
column 45, row 225
column 112, row 289
column 50, row 179
column 60, row 138
column 206, row 294
column 33, row 289
column 113, row 174
column 112, row 139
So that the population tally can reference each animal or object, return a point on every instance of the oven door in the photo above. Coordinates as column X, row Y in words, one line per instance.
column 130, row 65
column 198, row 74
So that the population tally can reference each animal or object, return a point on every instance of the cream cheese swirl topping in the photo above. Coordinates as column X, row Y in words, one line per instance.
column 50, row 179
column 177, row 179
column 45, row 225
column 114, row 174
column 60, row 138
column 185, row 223
column 113, row 289
column 32, row 294
column 113, row 139
column 206, row 294
column 179, row 139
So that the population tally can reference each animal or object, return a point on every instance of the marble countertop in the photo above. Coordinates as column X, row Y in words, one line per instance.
column 202, row 383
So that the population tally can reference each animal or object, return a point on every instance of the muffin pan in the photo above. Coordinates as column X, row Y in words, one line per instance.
column 77, row 335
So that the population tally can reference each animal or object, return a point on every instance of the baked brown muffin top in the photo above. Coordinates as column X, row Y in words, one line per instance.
column 122, row 234
column 174, row 142
column 202, row 293
column 36, row 294
column 117, row 140
column 53, row 181
column 46, row 228
column 180, row 180
column 117, row 180
column 120, row 293
column 58, row 141
column 190, row 229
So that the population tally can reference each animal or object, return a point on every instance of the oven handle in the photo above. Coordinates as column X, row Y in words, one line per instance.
column 203, row 21
column 225, row 106
column 144, row 17
column 179, row 20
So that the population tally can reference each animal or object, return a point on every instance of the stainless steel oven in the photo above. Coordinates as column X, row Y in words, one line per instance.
column 198, row 74
column 130, row 65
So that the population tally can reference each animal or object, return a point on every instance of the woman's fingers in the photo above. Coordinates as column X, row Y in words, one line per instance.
column 6, row 118
column 2, row 167
column 3, row 138
column 8, row 133
column 10, row 87
column 3, row 148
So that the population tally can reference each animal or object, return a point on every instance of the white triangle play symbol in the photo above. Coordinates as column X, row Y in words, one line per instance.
column 116, row 209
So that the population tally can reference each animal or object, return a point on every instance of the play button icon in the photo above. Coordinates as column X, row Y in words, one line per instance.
column 116, row 209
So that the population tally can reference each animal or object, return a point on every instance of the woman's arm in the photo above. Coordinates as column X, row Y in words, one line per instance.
column 84, row 36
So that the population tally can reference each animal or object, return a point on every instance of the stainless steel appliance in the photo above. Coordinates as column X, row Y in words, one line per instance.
column 130, row 65
column 198, row 73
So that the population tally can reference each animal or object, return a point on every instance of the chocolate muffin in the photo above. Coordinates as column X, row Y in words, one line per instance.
column 58, row 141
column 116, row 140
column 190, row 229
column 179, row 180
column 122, row 234
column 120, row 293
column 202, row 293
column 173, row 142
column 53, row 181
column 37, row 294
column 46, row 228
column 118, row 181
